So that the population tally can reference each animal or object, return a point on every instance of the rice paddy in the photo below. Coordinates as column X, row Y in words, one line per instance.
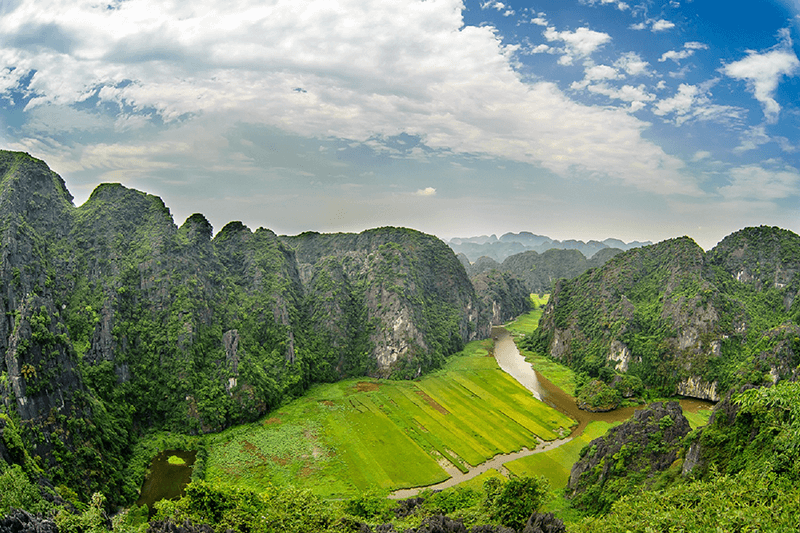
column 556, row 464
column 361, row 435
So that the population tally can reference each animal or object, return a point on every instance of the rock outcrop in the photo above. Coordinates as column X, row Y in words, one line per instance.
column 642, row 447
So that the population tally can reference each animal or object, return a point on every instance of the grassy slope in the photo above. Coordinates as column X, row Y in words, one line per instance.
column 556, row 464
column 358, row 435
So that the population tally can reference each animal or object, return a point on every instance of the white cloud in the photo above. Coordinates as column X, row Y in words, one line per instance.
column 786, row 145
column 581, row 42
column 627, row 93
column 675, row 55
column 762, row 72
column 368, row 69
column 540, row 49
column 752, row 139
column 596, row 73
column 688, row 51
column 692, row 102
column 495, row 4
column 622, row 6
column 427, row 191
column 52, row 119
column 754, row 183
column 661, row 25
column 632, row 63
column 654, row 25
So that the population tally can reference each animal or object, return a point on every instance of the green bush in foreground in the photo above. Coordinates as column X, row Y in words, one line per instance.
column 512, row 502
column 745, row 502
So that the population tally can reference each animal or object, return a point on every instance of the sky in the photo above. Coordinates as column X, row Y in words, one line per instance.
column 575, row 119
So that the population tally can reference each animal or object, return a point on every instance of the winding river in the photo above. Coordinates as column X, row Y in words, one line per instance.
column 513, row 363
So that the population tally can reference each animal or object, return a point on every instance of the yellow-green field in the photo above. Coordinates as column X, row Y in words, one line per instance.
column 358, row 435
column 700, row 418
column 527, row 323
column 556, row 464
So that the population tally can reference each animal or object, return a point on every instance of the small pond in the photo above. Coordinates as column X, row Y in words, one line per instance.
column 166, row 478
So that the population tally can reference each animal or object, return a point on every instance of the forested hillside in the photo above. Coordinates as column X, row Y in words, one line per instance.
column 539, row 271
column 682, row 320
column 116, row 320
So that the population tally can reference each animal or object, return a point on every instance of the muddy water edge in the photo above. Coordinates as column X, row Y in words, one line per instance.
column 511, row 361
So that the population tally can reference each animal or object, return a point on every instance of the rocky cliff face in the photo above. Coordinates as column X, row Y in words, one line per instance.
column 114, row 319
column 679, row 318
column 636, row 450
column 502, row 293
column 398, row 296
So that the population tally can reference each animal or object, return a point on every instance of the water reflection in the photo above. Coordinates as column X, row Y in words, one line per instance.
column 512, row 362
column 166, row 481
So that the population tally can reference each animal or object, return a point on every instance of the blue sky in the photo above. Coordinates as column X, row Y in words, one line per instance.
column 578, row 119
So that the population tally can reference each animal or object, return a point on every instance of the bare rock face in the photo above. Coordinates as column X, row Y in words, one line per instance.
column 695, row 387
column 19, row 521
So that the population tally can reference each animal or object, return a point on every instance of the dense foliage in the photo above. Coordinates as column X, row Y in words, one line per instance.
column 539, row 271
column 116, row 321
column 682, row 320
column 740, row 473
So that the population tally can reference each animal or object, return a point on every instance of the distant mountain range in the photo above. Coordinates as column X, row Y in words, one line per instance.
column 514, row 243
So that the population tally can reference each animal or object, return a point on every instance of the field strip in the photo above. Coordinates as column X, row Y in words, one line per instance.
column 494, row 463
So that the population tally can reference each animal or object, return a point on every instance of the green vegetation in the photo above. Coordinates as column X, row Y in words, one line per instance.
column 529, row 322
column 123, row 323
column 698, row 418
column 597, row 396
column 555, row 465
column 744, row 502
column 294, row 511
column 735, row 303
column 175, row 460
column 123, row 333
column 512, row 502
column 359, row 435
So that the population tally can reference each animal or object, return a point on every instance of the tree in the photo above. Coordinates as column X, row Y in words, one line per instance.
column 518, row 499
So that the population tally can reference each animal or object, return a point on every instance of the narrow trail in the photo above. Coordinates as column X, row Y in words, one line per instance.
column 513, row 363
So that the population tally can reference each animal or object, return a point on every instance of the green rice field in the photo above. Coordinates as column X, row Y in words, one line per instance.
column 700, row 418
column 527, row 323
column 361, row 435
column 556, row 464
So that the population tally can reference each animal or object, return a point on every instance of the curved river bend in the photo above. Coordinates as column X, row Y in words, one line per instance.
column 514, row 364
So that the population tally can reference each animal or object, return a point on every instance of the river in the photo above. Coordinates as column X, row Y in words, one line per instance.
column 513, row 363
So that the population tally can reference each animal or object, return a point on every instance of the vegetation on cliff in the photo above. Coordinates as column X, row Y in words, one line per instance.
column 682, row 320
column 116, row 321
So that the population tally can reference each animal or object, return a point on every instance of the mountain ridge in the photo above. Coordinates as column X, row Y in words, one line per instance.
column 679, row 318
column 116, row 319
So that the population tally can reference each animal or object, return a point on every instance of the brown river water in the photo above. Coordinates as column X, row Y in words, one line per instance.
column 514, row 364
